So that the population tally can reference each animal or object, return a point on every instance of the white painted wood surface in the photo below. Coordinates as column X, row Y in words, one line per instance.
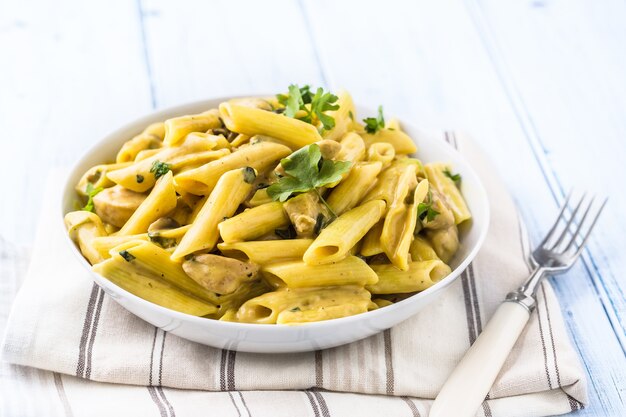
column 539, row 83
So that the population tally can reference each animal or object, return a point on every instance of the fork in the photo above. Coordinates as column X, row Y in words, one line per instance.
column 469, row 383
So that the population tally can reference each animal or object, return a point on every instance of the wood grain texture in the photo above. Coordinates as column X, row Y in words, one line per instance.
column 540, row 83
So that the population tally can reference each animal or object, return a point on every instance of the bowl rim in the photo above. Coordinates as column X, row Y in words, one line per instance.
column 183, row 108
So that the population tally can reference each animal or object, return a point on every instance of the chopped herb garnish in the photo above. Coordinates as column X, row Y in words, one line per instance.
column 305, row 171
column 261, row 185
column 160, row 168
column 91, row 193
column 454, row 177
column 288, row 233
column 249, row 175
column 127, row 255
column 320, row 223
column 374, row 124
column 312, row 105
column 351, row 115
column 164, row 242
column 295, row 309
column 139, row 179
column 425, row 211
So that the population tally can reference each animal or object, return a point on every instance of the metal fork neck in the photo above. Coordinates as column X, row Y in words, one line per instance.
column 525, row 294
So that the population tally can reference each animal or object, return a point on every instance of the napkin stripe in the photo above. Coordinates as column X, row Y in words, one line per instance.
column 388, row 362
column 227, row 370
column 94, row 330
column 165, row 408
column 230, row 372
column 414, row 411
column 486, row 408
column 156, row 329
column 232, row 399
column 223, row 370
column 319, row 368
column 544, row 349
column 86, row 344
column 322, row 403
column 243, row 401
column 574, row 404
column 316, row 410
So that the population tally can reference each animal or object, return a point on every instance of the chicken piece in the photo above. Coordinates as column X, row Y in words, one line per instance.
column 445, row 242
column 220, row 274
column 445, row 218
column 303, row 211
column 115, row 205
column 329, row 148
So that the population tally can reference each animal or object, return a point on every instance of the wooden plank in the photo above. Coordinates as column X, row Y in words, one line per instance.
column 432, row 65
column 203, row 49
column 71, row 72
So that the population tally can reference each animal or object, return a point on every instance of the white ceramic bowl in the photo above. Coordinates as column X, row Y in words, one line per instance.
column 265, row 338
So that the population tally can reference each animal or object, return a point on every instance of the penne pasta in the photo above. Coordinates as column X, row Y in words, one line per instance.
column 264, row 252
column 353, row 188
column 400, row 141
column 230, row 191
column 251, row 121
column 418, row 277
column 150, row 139
column 435, row 172
column 160, row 201
column 254, row 222
column 83, row 227
column 176, row 129
column 340, row 236
column 202, row 180
column 296, row 274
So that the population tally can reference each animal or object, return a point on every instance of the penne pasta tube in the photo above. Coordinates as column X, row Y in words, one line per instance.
column 352, row 148
column 177, row 128
column 343, row 116
column 336, row 240
column 400, row 141
column 418, row 277
column 160, row 201
column 264, row 252
column 421, row 250
column 296, row 274
column 399, row 226
column 141, row 176
column 435, row 172
column 83, row 227
column 260, row 197
column 301, row 305
column 150, row 139
column 353, row 188
column 261, row 156
column 97, row 176
column 197, row 159
column 391, row 179
column 254, row 222
column 146, row 153
column 251, row 121
column 231, row 190
column 371, row 242
column 381, row 152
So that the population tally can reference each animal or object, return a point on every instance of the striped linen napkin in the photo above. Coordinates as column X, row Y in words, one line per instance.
column 102, row 360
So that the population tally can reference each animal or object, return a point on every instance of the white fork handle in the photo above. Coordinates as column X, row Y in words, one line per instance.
column 469, row 383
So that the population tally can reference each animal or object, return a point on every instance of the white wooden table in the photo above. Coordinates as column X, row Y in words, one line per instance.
column 541, row 84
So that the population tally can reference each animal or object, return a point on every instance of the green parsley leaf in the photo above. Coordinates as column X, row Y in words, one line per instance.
column 374, row 124
column 454, row 177
column 425, row 210
column 127, row 255
column 160, row 168
column 304, row 173
column 312, row 105
column 91, row 193
column 139, row 179
column 295, row 309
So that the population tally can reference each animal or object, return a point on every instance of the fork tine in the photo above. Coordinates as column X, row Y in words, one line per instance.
column 593, row 223
column 580, row 225
column 569, row 222
column 556, row 222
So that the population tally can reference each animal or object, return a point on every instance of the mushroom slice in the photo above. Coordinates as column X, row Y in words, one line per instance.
column 115, row 205
column 220, row 274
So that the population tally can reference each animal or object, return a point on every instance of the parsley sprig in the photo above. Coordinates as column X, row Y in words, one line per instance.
column 454, row 177
column 374, row 124
column 91, row 193
column 160, row 168
column 305, row 171
column 313, row 105
column 425, row 210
